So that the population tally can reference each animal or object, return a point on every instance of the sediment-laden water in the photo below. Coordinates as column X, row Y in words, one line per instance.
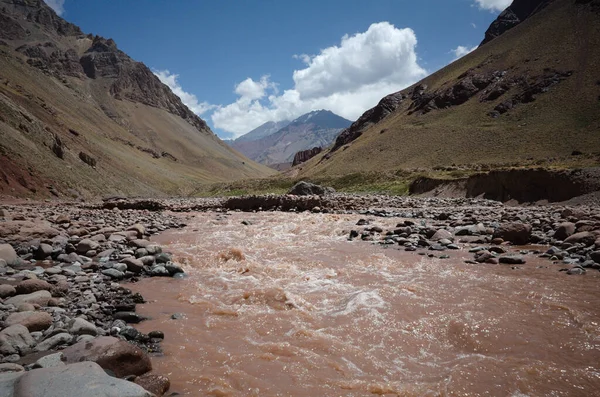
column 286, row 306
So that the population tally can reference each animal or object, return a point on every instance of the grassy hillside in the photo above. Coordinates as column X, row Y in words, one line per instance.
column 548, row 68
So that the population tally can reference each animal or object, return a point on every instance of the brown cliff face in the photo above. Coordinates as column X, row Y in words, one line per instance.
column 305, row 155
column 64, row 93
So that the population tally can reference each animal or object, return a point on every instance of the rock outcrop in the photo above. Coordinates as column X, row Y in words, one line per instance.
column 306, row 155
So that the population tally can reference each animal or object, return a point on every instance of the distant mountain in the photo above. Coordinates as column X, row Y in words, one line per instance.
column 268, row 128
column 529, row 95
column 315, row 129
column 79, row 117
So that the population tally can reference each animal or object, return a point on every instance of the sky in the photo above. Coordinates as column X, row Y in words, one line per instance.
column 241, row 63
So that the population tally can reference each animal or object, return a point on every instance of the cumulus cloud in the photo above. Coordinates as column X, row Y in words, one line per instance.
column 461, row 51
column 347, row 79
column 57, row 5
column 189, row 100
column 493, row 5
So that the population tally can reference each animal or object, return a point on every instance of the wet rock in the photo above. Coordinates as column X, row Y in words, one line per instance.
column 515, row 232
column 163, row 258
column 156, row 335
column 129, row 317
column 156, row 384
column 85, row 379
column 512, row 259
column 159, row 271
column 173, row 269
column 39, row 297
column 112, row 354
column 113, row 273
column 16, row 339
column 133, row 265
column 576, row 271
column 33, row 285
column 34, row 321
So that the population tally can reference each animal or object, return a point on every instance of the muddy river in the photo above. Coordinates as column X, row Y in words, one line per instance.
column 286, row 306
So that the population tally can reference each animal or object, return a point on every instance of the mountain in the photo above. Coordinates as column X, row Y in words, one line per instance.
column 79, row 117
column 315, row 129
column 268, row 128
column 529, row 95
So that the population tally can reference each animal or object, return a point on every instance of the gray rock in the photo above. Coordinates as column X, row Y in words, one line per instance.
column 441, row 234
column 56, row 340
column 576, row 270
column 515, row 232
column 306, row 189
column 43, row 251
column 7, row 291
column 147, row 260
column 512, row 259
column 49, row 361
column 7, row 383
column 129, row 317
column 120, row 267
column 16, row 339
column 85, row 379
column 86, row 245
column 153, row 249
column 163, row 258
column 10, row 367
column 173, row 269
column 133, row 265
column 113, row 273
column 159, row 271
column 79, row 326
column 39, row 297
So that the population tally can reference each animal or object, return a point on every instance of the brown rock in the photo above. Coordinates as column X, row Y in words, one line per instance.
column 564, row 230
column 38, row 297
column 34, row 321
column 110, row 353
column 8, row 253
column 134, row 265
column 515, row 232
column 26, row 307
column 586, row 238
column 156, row 384
column 139, row 229
column 33, row 285
column 7, row 291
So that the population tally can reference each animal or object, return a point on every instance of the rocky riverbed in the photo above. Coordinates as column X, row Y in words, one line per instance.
column 67, row 313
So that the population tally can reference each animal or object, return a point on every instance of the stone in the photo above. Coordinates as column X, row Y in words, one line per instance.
column 112, row 354
column 139, row 243
column 306, row 189
column 441, row 234
column 43, row 251
column 7, row 382
column 85, row 379
column 120, row 267
column 512, row 259
column 86, row 245
column 80, row 326
column 49, row 361
column 147, row 260
column 34, row 321
column 53, row 341
column 173, row 269
column 129, row 317
column 576, row 271
column 515, row 232
column 595, row 256
column 153, row 249
column 156, row 334
column 16, row 339
column 7, row 291
column 586, row 238
column 159, row 271
column 11, row 367
column 564, row 230
column 39, row 297
column 134, row 265
column 113, row 273
column 156, row 384
column 8, row 254
column 139, row 229
column 163, row 258
column 26, row 307
column 32, row 285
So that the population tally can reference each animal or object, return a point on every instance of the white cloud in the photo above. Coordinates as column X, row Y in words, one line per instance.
column 461, row 51
column 493, row 5
column 473, row 25
column 189, row 100
column 347, row 79
column 57, row 5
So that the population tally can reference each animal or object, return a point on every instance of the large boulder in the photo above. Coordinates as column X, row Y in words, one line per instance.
column 39, row 297
column 156, row 384
column 564, row 230
column 586, row 238
column 306, row 189
column 515, row 232
column 110, row 353
column 16, row 339
column 7, row 252
column 34, row 321
column 85, row 379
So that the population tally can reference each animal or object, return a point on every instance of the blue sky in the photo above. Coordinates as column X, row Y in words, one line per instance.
column 241, row 63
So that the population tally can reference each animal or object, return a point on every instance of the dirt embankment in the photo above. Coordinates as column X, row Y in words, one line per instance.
column 522, row 185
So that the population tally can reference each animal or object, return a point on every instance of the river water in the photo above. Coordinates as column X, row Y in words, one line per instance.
column 286, row 306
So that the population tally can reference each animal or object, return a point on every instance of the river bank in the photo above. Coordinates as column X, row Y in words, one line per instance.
column 254, row 262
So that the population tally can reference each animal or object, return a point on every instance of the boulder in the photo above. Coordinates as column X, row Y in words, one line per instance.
column 564, row 230
column 85, row 379
column 53, row 341
column 586, row 238
column 112, row 354
column 515, row 232
column 51, row 360
column 8, row 254
column 32, row 285
column 156, row 384
column 139, row 229
column 134, row 265
column 16, row 339
column 39, row 297
column 86, row 245
column 43, row 251
column 79, row 326
column 34, row 321
column 7, row 291
column 441, row 234
column 306, row 189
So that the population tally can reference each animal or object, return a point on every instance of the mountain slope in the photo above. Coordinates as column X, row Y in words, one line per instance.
column 268, row 128
column 529, row 95
column 317, row 128
column 80, row 117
